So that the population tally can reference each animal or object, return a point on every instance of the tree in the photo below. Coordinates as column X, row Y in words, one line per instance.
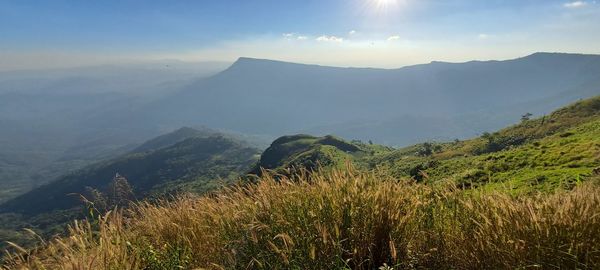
column 492, row 143
column 426, row 149
column 120, row 192
column 488, row 137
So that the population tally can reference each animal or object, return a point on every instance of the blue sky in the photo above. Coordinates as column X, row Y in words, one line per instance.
column 378, row 33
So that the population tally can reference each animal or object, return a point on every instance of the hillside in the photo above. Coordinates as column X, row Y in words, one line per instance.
column 309, row 152
column 440, row 101
column 174, row 137
column 339, row 219
column 526, row 194
column 56, row 121
column 186, row 160
column 557, row 150
column 194, row 164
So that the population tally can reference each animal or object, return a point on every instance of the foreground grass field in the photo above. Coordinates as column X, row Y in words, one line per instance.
column 343, row 219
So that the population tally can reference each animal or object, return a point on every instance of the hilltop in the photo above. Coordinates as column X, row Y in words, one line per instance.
column 288, row 153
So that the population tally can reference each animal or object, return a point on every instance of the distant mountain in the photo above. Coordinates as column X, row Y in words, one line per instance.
column 185, row 160
column 397, row 106
column 55, row 122
column 174, row 137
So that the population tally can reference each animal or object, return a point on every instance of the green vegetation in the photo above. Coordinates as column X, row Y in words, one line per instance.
column 193, row 165
column 196, row 165
column 554, row 151
column 525, row 196
column 290, row 153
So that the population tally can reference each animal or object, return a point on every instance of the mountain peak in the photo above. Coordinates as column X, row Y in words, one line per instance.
column 557, row 55
column 250, row 60
column 263, row 66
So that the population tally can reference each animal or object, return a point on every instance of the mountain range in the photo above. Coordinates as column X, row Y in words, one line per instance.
column 58, row 122
column 391, row 106
column 537, row 155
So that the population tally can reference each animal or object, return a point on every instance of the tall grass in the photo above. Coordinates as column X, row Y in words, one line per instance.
column 344, row 219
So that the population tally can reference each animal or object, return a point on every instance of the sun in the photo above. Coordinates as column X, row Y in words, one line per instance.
column 384, row 2
column 383, row 5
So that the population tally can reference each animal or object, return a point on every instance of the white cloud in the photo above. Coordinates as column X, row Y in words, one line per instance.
column 352, row 32
column 483, row 36
column 294, row 36
column 575, row 4
column 393, row 38
column 326, row 38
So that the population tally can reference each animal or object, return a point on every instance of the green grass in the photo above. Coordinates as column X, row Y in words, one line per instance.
column 555, row 161
column 533, row 156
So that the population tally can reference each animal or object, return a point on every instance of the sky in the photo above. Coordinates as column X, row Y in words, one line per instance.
column 361, row 33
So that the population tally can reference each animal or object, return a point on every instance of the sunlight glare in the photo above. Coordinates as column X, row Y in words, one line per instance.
column 383, row 5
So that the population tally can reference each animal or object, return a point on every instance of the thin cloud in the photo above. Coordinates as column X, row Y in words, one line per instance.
column 294, row 36
column 352, row 32
column 393, row 38
column 576, row 4
column 483, row 36
column 326, row 38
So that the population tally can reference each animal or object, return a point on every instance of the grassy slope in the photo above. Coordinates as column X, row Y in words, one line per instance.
column 539, row 154
column 556, row 150
column 339, row 220
column 558, row 160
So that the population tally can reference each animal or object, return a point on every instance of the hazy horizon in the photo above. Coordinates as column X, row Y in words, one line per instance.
column 222, row 65
column 355, row 33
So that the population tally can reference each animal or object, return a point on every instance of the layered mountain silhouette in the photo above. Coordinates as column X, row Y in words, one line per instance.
column 395, row 106
column 63, row 127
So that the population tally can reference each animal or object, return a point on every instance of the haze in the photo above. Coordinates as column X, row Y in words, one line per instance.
column 360, row 33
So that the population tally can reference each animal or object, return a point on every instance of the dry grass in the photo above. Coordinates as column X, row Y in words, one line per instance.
column 338, row 220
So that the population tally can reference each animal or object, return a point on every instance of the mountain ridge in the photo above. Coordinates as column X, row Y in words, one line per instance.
column 198, row 158
column 245, row 60
column 270, row 97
